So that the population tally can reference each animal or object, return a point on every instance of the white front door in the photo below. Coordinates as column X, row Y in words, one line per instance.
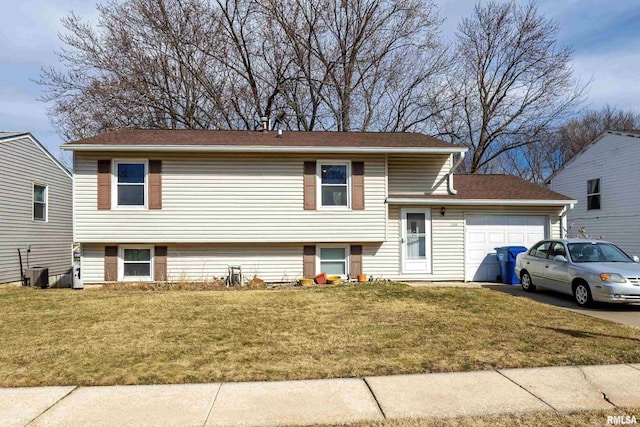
column 416, row 240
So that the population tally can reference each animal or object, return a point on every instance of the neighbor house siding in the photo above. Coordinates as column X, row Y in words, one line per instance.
column 447, row 241
column 614, row 160
column 23, row 163
column 419, row 174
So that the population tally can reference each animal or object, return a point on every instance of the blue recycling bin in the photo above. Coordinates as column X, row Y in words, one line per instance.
column 507, row 259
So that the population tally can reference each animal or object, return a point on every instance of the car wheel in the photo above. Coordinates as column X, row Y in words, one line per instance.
column 582, row 294
column 525, row 281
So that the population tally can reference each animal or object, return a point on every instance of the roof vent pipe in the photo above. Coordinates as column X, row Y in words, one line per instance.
column 265, row 123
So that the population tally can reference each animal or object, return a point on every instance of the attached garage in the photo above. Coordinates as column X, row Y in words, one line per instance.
column 486, row 232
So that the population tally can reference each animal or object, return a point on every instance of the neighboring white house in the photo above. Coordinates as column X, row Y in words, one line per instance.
column 35, row 209
column 185, row 204
column 604, row 177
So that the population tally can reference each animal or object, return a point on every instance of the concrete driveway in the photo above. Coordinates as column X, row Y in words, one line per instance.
column 626, row 314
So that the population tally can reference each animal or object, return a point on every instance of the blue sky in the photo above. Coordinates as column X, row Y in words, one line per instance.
column 604, row 34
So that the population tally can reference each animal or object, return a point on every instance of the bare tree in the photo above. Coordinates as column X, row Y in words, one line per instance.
column 538, row 160
column 323, row 64
column 512, row 80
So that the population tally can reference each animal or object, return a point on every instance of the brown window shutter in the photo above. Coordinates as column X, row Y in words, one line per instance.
column 357, row 186
column 110, row 263
column 104, row 184
column 355, row 260
column 160, row 263
column 155, row 184
column 310, row 186
column 309, row 262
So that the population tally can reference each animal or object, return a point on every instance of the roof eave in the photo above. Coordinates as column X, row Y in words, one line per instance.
column 261, row 149
column 504, row 202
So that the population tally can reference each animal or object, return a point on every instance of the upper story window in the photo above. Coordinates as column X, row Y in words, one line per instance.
column 593, row 194
column 131, row 183
column 39, row 202
column 334, row 177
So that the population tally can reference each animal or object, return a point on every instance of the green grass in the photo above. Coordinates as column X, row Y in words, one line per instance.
column 100, row 337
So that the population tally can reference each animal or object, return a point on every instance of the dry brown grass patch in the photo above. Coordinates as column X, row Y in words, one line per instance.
column 56, row 337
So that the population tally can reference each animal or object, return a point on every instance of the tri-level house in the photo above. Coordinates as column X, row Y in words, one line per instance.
column 186, row 204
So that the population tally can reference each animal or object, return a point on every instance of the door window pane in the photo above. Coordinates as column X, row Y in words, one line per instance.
column 415, row 223
column 416, row 247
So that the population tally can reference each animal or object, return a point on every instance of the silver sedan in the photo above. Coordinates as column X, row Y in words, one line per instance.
column 588, row 270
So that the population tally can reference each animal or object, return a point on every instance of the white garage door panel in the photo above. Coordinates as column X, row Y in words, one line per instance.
column 486, row 232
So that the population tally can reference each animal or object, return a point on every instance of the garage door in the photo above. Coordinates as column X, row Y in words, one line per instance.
column 486, row 232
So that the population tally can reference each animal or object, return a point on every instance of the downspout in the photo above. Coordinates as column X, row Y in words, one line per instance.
column 450, row 179
column 564, row 231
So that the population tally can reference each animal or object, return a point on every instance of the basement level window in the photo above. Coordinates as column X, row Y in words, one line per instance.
column 593, row 194
column 39, row 202
column 136, row 263
column 333, row 260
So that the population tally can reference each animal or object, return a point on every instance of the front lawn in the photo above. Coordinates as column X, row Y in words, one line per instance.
column 99, row 337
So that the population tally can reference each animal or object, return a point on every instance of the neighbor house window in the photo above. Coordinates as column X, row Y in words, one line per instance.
column 136, row 263
column 334, row 184
column 333, row 260
column 593, row 194
column 39, row 202
column 131, row 180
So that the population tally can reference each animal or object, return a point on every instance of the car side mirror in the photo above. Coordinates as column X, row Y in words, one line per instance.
column 636, row 259
column 560, row 258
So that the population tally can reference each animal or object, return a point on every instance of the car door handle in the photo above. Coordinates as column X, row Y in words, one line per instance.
column 546, row 266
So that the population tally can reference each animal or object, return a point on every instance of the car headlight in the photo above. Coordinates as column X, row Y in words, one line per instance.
column 612, row 277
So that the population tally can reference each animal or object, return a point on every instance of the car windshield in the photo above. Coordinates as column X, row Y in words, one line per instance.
column 596, row 252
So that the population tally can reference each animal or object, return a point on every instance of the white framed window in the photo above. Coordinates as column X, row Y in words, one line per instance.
column 40, row 196
column 333, row 259
column 136, row 263
column 334, row 184
column 130, row 184
column 593, row 194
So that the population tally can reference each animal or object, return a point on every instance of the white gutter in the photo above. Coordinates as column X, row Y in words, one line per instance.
column 261, row 149
column 454, row 167
column 505, row 202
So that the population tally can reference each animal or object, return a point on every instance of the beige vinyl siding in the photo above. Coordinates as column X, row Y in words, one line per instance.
column 614, row 160
column 274, row 263
column 229, row 198
column 270, row 262
column 23, row 163
column 419, row 174
column 447, row 241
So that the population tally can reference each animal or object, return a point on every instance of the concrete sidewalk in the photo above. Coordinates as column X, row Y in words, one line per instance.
column 326, row 401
